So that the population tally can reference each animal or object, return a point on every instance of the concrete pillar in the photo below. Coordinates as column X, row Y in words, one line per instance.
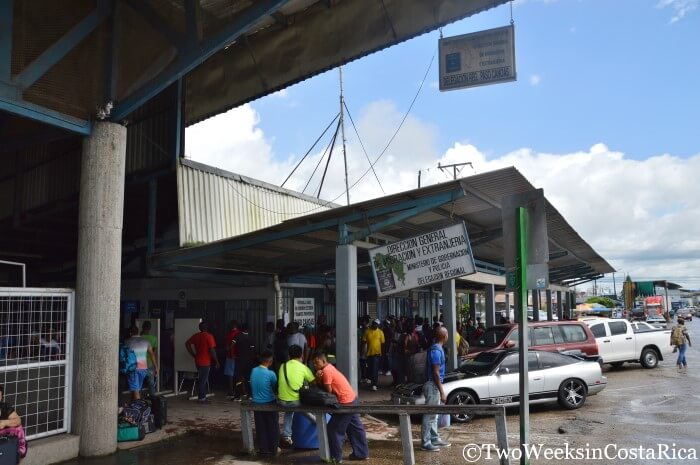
column 98, row 283
column 346, row 311
column 490, row 292
column 449, row 314
column 560, row 307
column 548, row 300
column 508, row 305
column 535, row 305
column 472, row 306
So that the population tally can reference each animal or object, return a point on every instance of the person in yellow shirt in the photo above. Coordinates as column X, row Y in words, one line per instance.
column 374, row 338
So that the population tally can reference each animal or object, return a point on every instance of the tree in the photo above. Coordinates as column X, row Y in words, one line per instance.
column 604, row 301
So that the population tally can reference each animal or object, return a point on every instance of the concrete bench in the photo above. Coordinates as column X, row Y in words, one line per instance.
column 404, row 413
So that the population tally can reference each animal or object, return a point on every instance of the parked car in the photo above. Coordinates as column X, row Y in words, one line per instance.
column 618, row 343
column 492, row 378
column 552, row 336
column 658, row 321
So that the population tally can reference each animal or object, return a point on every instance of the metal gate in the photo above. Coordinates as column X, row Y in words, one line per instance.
column 36, row 357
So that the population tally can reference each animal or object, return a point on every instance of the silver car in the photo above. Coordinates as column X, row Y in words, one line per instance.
column 492, row 379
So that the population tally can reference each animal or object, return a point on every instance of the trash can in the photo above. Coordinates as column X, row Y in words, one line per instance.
column 304, row 433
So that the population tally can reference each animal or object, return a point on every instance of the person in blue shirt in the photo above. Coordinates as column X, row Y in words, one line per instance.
column 263, row 384
column 434, row 392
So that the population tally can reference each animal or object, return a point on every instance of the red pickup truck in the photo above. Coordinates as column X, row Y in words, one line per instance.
column 572, row 337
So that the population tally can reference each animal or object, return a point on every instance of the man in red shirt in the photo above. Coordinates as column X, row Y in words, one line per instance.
column 230, row 364
column 332, row 380
column 203, row 354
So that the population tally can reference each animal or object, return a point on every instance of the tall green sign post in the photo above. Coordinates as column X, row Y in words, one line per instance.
column 526, row 253
column 521, row 303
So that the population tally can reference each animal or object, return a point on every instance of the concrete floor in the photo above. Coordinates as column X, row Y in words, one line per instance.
column 638, row 408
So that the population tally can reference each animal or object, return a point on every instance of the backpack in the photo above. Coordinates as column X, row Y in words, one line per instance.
column 127, row 359
column 677, row 338
column 410, row 344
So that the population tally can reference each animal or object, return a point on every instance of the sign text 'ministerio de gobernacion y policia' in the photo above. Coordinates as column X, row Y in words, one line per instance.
column 422, row 260
column 485, row 57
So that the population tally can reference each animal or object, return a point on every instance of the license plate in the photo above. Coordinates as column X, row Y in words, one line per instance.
column 503, row 400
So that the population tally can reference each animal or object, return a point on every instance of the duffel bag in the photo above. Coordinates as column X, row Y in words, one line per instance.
column 128, row 432
column 314, row 396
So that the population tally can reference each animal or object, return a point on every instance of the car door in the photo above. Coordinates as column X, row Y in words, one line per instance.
column 622, row 340
column 602, row 337
column 504, row 383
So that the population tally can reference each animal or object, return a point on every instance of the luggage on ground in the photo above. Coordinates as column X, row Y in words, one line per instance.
column 149, row 424
column 159, row 409
column 129, row 432
column 136, row 412
column 8, row 451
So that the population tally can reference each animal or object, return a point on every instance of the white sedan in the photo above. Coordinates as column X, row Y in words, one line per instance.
column 492, row 379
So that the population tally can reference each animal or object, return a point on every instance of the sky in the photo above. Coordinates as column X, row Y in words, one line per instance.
column 603, row 116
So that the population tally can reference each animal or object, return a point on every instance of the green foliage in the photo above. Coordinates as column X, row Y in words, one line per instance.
column 605, row 301
column 387, row 262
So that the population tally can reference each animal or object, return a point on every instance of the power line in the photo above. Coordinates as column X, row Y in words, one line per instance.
column 363, row 148
column 310, row 149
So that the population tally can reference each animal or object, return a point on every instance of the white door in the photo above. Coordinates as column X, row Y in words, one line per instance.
column 622, row 340
column 602, row 337
column 504, row 384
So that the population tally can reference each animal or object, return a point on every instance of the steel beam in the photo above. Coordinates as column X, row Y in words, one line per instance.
column 44, row 62
column 45, row 115
column 195, row 54
column 6, row 22
column 421, row 206
column 147, row 12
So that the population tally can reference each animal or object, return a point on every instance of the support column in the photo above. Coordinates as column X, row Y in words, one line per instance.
column 490, row 292
column 95, row 397
column 548, row 299
column 535, row 305
column 346, row 311
column 560, row 313
column 472, row 306
column 449, row 314
column 508, row 306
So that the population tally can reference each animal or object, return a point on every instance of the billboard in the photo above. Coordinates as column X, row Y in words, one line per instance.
column 422, row 260
column 477, row 59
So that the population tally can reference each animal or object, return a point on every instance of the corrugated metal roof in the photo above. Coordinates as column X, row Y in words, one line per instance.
column 214, row 204
column 276, row 249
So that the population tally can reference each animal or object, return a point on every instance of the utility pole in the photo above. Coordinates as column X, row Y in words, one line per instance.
column 614, row 286
column 454, row 168
column 419, row 171
column 342, row 134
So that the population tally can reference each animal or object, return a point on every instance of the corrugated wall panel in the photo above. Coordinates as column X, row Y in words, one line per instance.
column 214, row 204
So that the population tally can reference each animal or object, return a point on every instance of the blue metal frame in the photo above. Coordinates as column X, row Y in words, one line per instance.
column 37, row 68
column 45, row 115
column 194, row 54
column 6, row 40
column 253, row 239
column 421, row 206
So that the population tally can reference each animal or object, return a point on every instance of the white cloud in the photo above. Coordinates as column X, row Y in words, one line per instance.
column 535, row 79
column 681, row 7
column 641, row 215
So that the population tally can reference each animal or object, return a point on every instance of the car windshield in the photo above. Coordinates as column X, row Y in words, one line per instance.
column 492, row 337
column 482, row 363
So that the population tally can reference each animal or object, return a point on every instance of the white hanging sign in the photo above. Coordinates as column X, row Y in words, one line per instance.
column 477, row 59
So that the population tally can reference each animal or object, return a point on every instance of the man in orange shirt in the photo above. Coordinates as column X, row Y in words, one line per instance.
column 332, row 380
column 203, row 354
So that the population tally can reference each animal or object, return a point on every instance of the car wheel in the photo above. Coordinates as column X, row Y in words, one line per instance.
column 462, row 397
column 572, row 394
column 617, row 364
column 650, row 359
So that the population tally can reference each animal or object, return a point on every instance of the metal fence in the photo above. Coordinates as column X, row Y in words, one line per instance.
column 36, row 357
